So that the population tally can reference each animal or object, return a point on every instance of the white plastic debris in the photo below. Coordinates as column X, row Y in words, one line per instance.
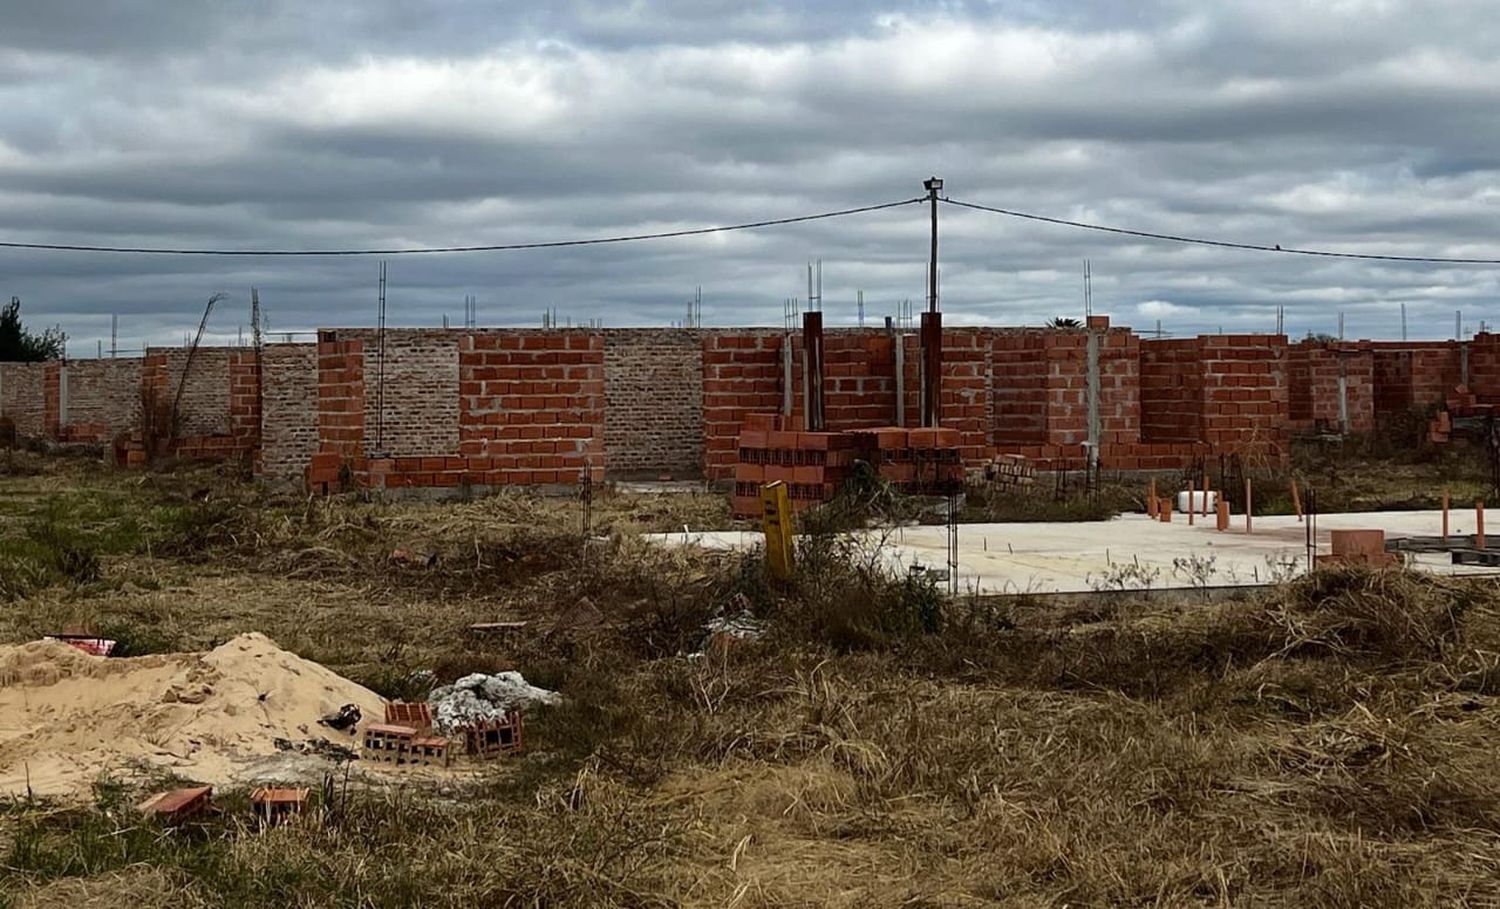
column 742, row 626
column 480, row 696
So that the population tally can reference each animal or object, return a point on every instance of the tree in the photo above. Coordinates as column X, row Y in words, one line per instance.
column 18, row 344
column 1064, row 322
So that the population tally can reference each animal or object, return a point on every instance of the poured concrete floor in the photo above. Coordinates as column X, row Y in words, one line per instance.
column 1068, row 557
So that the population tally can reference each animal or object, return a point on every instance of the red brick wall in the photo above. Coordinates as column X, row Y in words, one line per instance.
column 1119, row 388
column 1484, row 368
column 1312, row 369
column 52, row 399
column 1171, row 390
column 531, row 409
column 1245, row 403
column 1413, row 374
column 741, row 375
column 859, row 380
column 244, row 400
column 966, row 401
column 341, row 395
column 1019, row 390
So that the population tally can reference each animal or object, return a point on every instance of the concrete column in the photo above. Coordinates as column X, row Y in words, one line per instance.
column 898, row 351
column 62, row 396
column 786, row 375
column 1093, row 395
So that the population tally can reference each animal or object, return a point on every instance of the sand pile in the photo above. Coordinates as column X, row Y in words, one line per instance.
column 65, row 716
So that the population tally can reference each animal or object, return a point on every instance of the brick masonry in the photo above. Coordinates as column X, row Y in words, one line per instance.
column 103, row 399
column 653, row 394
column 1313, row 371
column 22, row 397
column 203, row 407
column 495, row 407
column 289, row 415
column 417, row 413
column 1171, row 390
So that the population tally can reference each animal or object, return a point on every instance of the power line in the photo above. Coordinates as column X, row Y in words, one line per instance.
column 499, row 247
column 1226, row 244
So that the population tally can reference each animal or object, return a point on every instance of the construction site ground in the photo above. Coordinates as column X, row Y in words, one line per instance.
column 1327, row 741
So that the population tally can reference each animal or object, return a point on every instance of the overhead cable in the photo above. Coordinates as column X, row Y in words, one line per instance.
column 427, row 250
column 1225, row 244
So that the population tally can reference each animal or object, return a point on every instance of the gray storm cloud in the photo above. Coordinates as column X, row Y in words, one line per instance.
column 1350, row 125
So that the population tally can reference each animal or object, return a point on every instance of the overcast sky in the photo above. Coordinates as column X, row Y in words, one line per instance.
column 1361, row 125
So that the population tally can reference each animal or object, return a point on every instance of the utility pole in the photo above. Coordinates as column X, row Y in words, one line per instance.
column 932, row 322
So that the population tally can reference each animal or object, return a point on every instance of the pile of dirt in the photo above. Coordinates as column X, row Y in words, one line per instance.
column 66, row 717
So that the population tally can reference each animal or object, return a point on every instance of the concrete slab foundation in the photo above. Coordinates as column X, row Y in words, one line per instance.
column 1073, row 557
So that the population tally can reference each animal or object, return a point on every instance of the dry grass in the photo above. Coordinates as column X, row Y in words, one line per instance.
column 1327, row 744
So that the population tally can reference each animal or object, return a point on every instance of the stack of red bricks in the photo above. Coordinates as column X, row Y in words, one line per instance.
column 915, row 461
column 812, row 464
column 1461, row 402
column 815, row 464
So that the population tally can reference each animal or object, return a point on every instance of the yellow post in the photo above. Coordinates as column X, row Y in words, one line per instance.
column 776, row 520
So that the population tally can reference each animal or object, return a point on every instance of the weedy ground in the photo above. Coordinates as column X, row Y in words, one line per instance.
column 1329, row 742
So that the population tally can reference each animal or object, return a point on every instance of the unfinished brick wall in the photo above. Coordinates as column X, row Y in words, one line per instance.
column 417, row 413
column 653, row 390
column 742, row 374
column 1020, row 389
column 203, row 407
column 965, row 401
column 518, row 406
column 103, row 398
column 290, row 410
column 531, row 411
column 1313, row 370
column 1041, row 387
column 22, row 398
column 859, row 380
column 52, row 399
column 1245, row 394
column 341, row 395
column 1171, row 390
column 1414, row 375
column 1119, row 387
column 1484, row 368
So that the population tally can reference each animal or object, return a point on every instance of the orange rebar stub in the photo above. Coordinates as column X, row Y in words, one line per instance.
column 1296, row 500
column 1248, row 509
column 1445, row 514
column 1166, row 509
column 1192, row 507
column 1222, row 515
column 1479, row 524
column 1151, row 504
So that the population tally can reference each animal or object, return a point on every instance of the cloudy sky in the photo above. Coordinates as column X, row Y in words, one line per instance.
column 1360, row 125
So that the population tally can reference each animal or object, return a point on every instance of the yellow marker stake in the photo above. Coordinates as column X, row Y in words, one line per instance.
column 776, row 520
